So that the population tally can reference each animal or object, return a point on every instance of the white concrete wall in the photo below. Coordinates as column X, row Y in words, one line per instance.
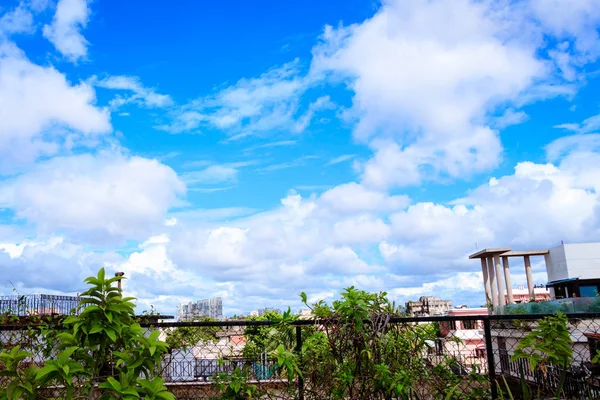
column 556, row 264
column 580, row 260
column 583, row 260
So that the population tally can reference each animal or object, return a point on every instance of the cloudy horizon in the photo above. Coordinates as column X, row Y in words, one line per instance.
column 254, row 153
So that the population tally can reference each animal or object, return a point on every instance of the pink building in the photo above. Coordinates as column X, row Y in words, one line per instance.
column 521, row 295
column 464, row 339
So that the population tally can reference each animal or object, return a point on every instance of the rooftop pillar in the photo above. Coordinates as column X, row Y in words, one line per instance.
column 507, row 279
column 493, row 284
column 529, row 278
column 486, row 279
column 499, row 280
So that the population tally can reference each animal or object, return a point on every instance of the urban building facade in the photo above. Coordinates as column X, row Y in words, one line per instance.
column 205, row 308
column 573, row 272
column 464, row 339
column 428, row 306
column 521, row 295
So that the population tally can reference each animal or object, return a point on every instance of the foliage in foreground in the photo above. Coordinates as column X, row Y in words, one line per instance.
column 548, row 345
column 351, row 350
column 103, row 354
column 184, row 337
column 355, row 352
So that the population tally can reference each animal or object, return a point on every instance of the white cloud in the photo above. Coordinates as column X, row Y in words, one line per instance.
column 568, row 22
column 279, row 143
column 427, row 77
column 297, row 162
column 254, row 106
column 415, row 60
column 50, row 264
column 110, row 194
column 339, row 260
column 580, row 143
column 353, row 198
column 247, row 247
column 63, row 32
column 323, row 243
column 510, row 117
column 42, row 112
column 360, row 229
column 322, row 103
column 591, row 124
column 211, row 174
column 214, row 173
column 445, row 288
column 536, row 207
column 141, row 94
column 341, row 159
column 195, row 215
column 19, row 20
column 431, row 83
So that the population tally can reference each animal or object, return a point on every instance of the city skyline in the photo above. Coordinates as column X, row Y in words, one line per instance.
column 253, row 152
column 204, row 308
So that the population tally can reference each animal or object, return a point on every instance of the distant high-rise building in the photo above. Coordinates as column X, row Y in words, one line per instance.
column 262, row 311
column 205, row 308
column 428, row 306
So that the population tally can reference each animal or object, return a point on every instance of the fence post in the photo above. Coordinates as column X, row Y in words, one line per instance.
column 299, row 352
column 487, row 331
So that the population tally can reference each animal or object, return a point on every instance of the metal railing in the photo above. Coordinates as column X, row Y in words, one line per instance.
column 566, row 306
column 37, row 304
column 218, row 348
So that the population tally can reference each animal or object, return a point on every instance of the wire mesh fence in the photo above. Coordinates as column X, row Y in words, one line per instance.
column 434, row 358
column 37, row 304
column 577, row 376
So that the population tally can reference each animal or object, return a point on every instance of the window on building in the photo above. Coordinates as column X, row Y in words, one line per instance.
column 588, row 291
column 470, row 324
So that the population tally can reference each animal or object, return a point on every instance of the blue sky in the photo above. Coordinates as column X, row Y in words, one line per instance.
column 255, row 151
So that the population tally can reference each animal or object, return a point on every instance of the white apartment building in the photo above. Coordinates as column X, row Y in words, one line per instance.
column 205, row 308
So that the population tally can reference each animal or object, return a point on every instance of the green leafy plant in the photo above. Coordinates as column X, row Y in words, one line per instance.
column 353, row 351
column 235, row 385
column 263, row 340
column 189, row 336
column 101, row 353
column 549, row 344
column 596, row 359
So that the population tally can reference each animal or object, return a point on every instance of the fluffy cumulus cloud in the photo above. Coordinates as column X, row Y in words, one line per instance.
column 108, row 194
column 291, row 246
column 429, row 86
column 536, row 207
column 575, row 26
column 42, row 112
column 351, row 235
column 71, row 16
column 352, row 198
column 427, row 77
column 52, row 264
column 309, row 244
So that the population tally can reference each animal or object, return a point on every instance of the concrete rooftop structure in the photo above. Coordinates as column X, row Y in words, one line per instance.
column 496, row 276
column 573, row 271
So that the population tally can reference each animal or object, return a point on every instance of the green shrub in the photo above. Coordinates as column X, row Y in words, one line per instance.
column 102, row 353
